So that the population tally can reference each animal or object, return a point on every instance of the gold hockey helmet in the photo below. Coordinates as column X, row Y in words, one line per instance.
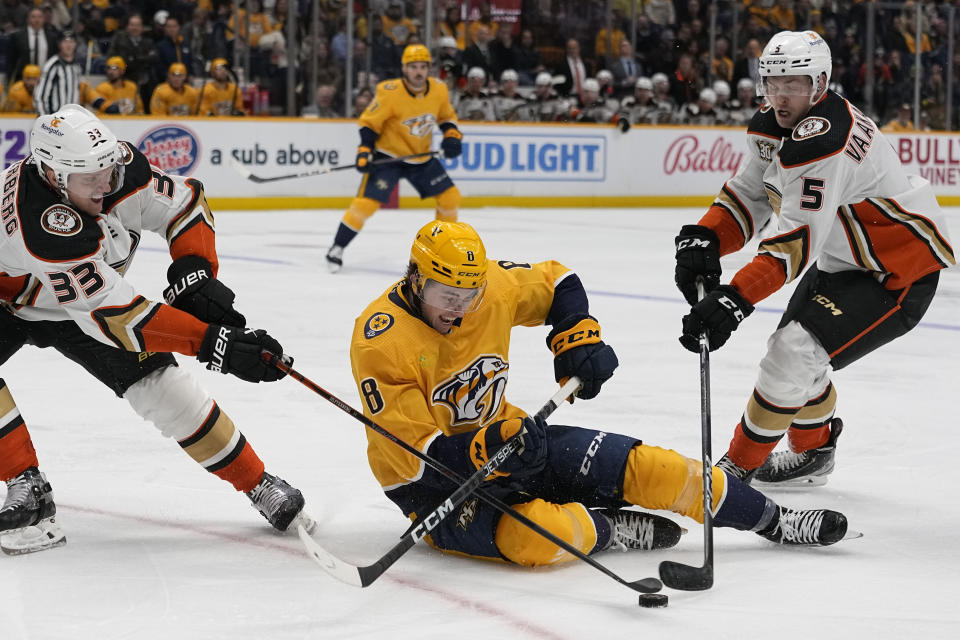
column 451, row 266
column 415, row 53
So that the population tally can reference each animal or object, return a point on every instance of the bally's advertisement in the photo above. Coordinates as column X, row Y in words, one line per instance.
column 302, row 163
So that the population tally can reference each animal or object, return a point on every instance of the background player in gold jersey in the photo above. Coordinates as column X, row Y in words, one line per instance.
column 219, row 96
column 20, row 96
column 175, row 97
column 400, row 122
column 430, row 358
column 121, row 96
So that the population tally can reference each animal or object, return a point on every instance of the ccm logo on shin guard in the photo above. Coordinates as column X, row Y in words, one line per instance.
column 591, row 451
column 220, row 350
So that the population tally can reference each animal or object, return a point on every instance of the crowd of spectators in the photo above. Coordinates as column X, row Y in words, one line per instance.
column 653, row 62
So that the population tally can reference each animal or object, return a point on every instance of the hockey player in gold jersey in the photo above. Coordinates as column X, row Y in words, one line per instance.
column 175, row 97
column 20, row 96
column 219, row 96
column 400, row 122
column 121, row 96
column 430, row 358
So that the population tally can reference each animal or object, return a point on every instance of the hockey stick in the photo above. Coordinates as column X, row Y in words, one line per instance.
column 365, row 575
column 249, row 175
column 676, row 575
column 645, row 585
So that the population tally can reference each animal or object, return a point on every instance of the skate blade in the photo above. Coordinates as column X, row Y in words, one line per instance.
column 799, row 483
column 44, row 535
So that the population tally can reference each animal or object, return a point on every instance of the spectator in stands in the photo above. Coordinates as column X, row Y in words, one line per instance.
column 661, row 95
column 685, row 82
column 528, row 58
column 323, row 103
column 171, row 48
column 13, row 14
column 503, row 52
column 385, row 55
column 699, row 112
column 485, row 19
column 722, row 89
column 506, row 101
column 396, row 25
column 573, row 70
column 640, row 108
column 648, row 39
column 35, row 43
column 220, row 96
column 20, row 95
column 722, row 63
column 138, row 50
column 781, row 17
column 902, row 122
column 452, row 26
column 60, row 79
column 449, row 62
column 120, row 95
column 748, row 66
column 479, row 53
column 328, row 71
column 474, row 103
column 600, row 48
column 741, row 109
column 204, row 40
column 661, row 12
column 625, row 70
column 175, row 97
column 364, row 96
column 259, row 24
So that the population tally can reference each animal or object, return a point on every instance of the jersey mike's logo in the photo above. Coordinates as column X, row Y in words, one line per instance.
column 61, row 220
column 475, row 393
column 422, row 125
column 171, row 148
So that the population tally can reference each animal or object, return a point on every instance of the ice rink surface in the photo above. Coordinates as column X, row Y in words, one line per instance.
column 160, row 549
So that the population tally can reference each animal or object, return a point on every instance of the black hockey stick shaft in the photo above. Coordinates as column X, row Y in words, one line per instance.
column 319, row 172
column 422, row 526
column 674, row 574
column 644, row 585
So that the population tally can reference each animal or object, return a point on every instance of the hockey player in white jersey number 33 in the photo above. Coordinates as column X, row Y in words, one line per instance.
column 73, row 212
column 871, row 238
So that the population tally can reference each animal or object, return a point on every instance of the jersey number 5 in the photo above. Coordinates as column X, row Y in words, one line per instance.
column 811, row 198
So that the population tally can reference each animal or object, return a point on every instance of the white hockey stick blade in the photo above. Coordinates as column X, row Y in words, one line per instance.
column 342, row 571
column 239, row 168
column 44, row 535
column 852, row 535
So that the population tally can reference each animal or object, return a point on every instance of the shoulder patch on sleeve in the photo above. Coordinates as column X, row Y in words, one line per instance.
column 822, row 133
column 60, row 233
column 377, row 324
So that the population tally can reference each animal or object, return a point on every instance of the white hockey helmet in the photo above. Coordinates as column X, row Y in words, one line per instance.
column 644, row 82
column 543, row 79
column 509, row 75
column 721, row 88
column 591, row 85
column 73, row 140
column 708, row 95
column 796, row 53
column 476, row 72
column 659, row 78
column 604, row 76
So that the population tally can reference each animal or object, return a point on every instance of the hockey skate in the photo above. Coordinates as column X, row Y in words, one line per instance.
column 735, row 470
column 335, row 258
column 27, row 517
column 806, row 527
column 636, row 530
column 807, row 469
column 276, row 500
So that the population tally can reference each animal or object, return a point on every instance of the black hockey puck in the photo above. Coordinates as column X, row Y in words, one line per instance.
column 653, row 600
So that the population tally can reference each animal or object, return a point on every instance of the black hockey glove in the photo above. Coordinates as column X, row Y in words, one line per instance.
column 237, row 351
column 698, row 254
column 528, row 460
column 719, row 314
column 623, row 122
column 194, row 289
column 364, row 158
column 579, row 351
column 451, row 145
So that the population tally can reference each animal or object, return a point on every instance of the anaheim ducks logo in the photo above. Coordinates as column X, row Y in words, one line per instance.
column 811, row 127
column 474, row 394
column 61, row 221
column 421, row 126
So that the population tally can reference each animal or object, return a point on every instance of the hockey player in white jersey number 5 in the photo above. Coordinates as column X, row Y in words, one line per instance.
column 871, row 238
column 73, row 213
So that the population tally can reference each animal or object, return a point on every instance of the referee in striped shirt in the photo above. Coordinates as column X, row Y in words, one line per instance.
column 60, row 81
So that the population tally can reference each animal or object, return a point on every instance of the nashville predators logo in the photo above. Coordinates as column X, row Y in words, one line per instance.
column 476, row 393
column 377, row 324
column 421, row 126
